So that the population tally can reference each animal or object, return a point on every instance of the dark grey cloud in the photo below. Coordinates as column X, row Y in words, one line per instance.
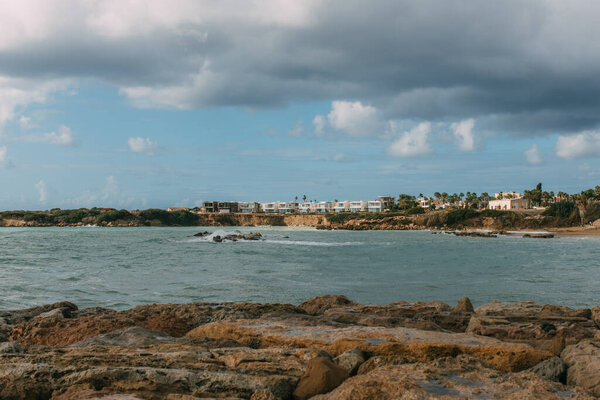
column 525, row 68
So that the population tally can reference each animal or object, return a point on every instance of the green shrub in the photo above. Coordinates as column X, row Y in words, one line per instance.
column 181, row 217
column 561, row 209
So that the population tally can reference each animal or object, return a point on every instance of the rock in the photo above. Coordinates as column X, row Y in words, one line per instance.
column 19, row 316
column 412, row 344
column 321, row 376
column 583, row 361
column 132, row 336
column 350, row 360
column 56, row 313
column 464, row 305
column 10, row 347
column 449, row 378
column 596, row 315
column 553, row 369
column 322, row 303
column 202, row 234
column 264, row 394
column 539, row 235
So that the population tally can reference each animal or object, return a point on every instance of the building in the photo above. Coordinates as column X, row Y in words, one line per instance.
column 288, row 207
column 509, row 204
column 387, row 201
column 220, row 207
column 341, row 206
column 269, row 208
column 324, row 207
column 306, row 207
column 375, row 206
column 248, row 207
column 358, row 206
column 508, row 195
column 423, row 202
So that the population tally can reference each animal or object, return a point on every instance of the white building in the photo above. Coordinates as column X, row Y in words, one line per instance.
column 509, row 204
column 357, row 206
column 324, row 207
column 423, row 202
column 270, row 207
column 288, row 207
column 375, row 206
column 342, row 206
column 306, row 207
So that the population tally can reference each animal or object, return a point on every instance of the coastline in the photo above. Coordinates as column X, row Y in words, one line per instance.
column 283, row 351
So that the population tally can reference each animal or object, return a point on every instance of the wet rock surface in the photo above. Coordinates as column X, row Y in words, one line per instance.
column 326, row 348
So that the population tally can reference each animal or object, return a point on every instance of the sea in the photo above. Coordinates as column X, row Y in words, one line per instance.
column 123, row 267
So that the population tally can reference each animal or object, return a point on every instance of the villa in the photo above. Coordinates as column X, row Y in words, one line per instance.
column 358, row 206
column 289, row 207
column 324, row 207
column 248, row 207
column 509, row 204
column 342, row 206
column 375, row 206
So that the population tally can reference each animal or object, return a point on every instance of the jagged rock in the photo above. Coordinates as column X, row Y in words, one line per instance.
column 56, row 313
column 350, row 360
column 14, row 317
column 453, row 377
column 10, row 347
column 583, row 361
column 553, row 369
column 133, row 336
column 464, row 305
column 596, row 315
column 202, row 234
column 321, row 376
column 320, row 304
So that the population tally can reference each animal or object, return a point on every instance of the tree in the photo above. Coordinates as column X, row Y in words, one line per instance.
column 534, row 195
column 406, row 201
column 304, row 198
column 444, row 196
column 437, row 195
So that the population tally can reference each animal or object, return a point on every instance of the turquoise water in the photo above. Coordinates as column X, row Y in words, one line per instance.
column 124, row 267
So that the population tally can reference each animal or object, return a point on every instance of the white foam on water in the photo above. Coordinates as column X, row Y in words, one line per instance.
column 311, row 243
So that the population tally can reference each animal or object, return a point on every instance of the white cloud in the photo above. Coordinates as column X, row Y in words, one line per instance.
column 463, row 132
column 354, row 118
column 3, row 159
column 297, row 130
column 24, row 122
column 142, row 145
column 319, row 123
column 43, row 191
column 412, row 143
column 584, row 144
column 64, row 136
column 533, row 156
column 338, row 157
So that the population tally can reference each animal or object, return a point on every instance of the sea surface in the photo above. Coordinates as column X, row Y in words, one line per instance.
column 124, row 267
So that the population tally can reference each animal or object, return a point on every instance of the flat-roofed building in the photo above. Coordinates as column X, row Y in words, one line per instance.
column 270, row 208
column 324, row 207
column 221, row 206
column 248, row 207
column 509, row 204
column 341, row 206
column 388, row 201
column 357, row 206
column 375, row 206
column 288, row 207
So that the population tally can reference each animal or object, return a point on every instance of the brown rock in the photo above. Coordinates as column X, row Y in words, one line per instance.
column 351, row 360
column 583, row 360
column 464, row 305
column 449, row 378
column 321, row 376
column 264, row 394
column 322, row 303
column 596, row 315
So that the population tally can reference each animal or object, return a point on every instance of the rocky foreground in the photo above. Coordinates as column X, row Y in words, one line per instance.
column 325, row 348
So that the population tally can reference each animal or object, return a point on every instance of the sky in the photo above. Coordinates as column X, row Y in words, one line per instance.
column 137, row 104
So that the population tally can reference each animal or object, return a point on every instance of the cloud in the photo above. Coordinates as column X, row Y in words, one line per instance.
column 42, row 190
column 412, row 143
column 3, row 157
column 584, row 144
column 64, row 137
column 319, row 122
column 297, row 130
column 142, row 145
column 420, row 61
column 533, row 156
column 353, row 118
column 463, row 132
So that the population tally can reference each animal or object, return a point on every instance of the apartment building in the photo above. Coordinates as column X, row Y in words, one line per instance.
column 375, row 206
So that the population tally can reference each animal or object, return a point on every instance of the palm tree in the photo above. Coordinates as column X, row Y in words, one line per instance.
column 304, row 198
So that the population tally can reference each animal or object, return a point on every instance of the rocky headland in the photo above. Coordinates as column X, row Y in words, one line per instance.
column 325, row 348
